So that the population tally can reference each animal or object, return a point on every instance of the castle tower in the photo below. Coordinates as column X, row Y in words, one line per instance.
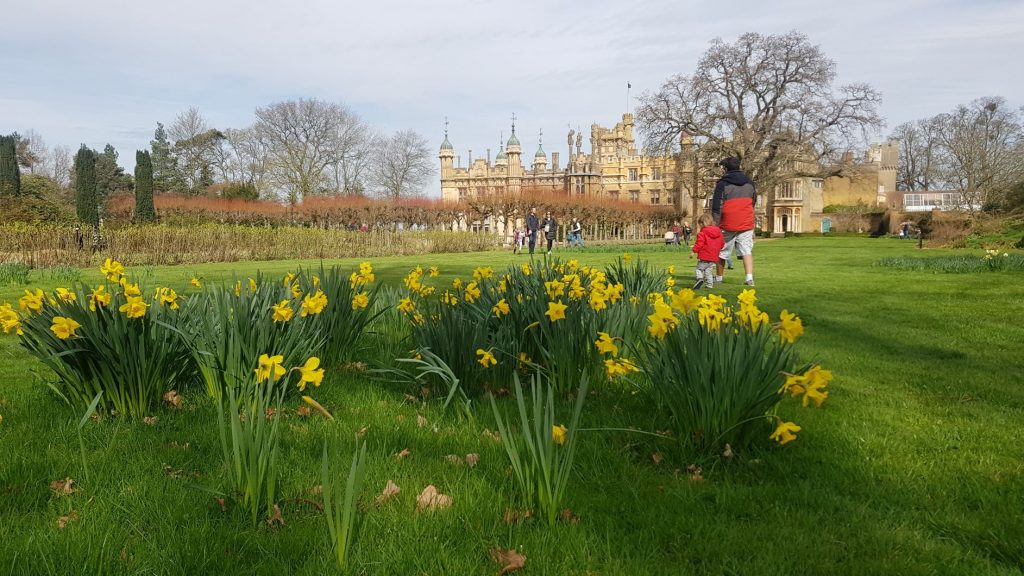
column 515, row 151
column 540, row 159
column 447, row 156
column 502, row 158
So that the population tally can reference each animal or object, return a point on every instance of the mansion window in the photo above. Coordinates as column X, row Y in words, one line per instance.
column 655, row 197
column 580, row 188
column 634, row 196
column 632, row 175
column 818, row 183
column 655, row 173
column 462, row 193
column 789, row 191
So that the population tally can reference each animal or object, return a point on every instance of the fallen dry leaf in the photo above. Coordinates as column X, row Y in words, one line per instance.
column 568, row 516
column 150, row 420
column 64, row 487
column 431, row 499
column 362, row 432
column 496, row 436
column 403, row 454
column 223, row 505
column 513, row 516
column 317, row 490
column 510, row 560
column 356, row 366
column 275, row 517
column 728, row 452
column 63, row 520
column 472, row 459
column 271, row 412
column 454, row 459
column 172, row 399
column 303, row 411
column 170, row 471
column 656, row 458
column 421, row 421
column 391, row 489
column 696, row 473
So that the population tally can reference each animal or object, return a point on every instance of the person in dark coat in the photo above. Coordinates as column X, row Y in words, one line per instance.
column 732, row 206
column 550, row 229
column 532, row 225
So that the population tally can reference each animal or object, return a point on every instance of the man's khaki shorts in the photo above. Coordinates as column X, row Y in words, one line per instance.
column 742, row 242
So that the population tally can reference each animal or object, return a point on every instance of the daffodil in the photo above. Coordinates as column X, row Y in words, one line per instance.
column 486, row 358
column 457, row 283
column 134, row 307
column 9, row 320
column 196, row 283
column 288, row 278
column 99, row 297
column 483, row 273
column 238, row 288
column 526, row 269
column 130, row 290
column 554, row 289
column 524, row 360
column 360, row 301
column 449, row 298
column 785, row 433
column 66, row 295
column 671, row 270
column 252, row 285
column 112, row 269
column 606, row 344
column 472, row 292
column 313, row 303
column 296, row 290
column 626, row 257
column 558, row 434
column 500, row 308
column 748, row 297
column 790, row 326
column 64, row 328
column 598, row 300
column 662, row 321
column 407, row 306
column 31, row 301
column 670, row 282
column 685, row 300
column 311, row 373
column 167, row 297
column 434, row 272
column 282, row 311
column 269, row 367
column 556, row 311
column 619, row 367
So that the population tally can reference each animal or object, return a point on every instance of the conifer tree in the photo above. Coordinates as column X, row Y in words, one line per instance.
column 144, row 211
column 10, row 176
column 85, row 187
column 165, row 168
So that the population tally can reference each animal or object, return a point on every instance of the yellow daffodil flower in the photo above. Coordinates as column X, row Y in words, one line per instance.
column 66, row 295
column 556, row 311
column 196, row 283
column 112, row 269
column 64, row 328
column 134, row 307
column 434, row 272
column 288, row 278
column 407, row 306
column 785, row 433
column 252, row 285
column 554, row 289
column 32, row 301
column 748, row 297
column 501, row 308
column 282, row 311
column 790, row 326
column 311, row 374
column 526, row 269
column 167, row 297
column 360, row 301
column 269, row 367
column 483, row 273
column 606, row 344
column 472, row 292
column 99, row 297
column 627, row 258
column 486, row 359
column 558, row 434
column 313, row 303
column 9, row 320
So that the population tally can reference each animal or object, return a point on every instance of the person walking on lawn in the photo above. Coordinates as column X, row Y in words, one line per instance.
column 532, row 225
column 732, row 207
column 707, row 246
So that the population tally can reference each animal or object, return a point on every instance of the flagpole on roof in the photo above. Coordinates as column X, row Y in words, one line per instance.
column 628, row 86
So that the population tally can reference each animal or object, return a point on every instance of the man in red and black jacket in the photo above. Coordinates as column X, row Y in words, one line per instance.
column 733, row 209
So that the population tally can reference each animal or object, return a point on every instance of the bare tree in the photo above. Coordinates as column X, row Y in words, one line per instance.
column 770, row 101
column 402, row 165
column 354, row 144
column 59, row 166
column 304, row 138
column 245, row 157
column 31, row 151
column 983, row 150
column 920, row 154
column 195, row 145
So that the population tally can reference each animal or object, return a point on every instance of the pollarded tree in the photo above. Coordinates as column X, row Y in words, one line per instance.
column 85, row 187
column 769, row 100
column 10, row 176
column 144, row 211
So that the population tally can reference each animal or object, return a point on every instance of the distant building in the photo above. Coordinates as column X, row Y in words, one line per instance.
column 613, row 169
column 928, row 200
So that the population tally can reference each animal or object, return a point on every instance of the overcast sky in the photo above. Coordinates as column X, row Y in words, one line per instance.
column 106, row 71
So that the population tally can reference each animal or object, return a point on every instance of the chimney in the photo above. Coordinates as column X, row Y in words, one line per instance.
column 470, row 158
column 554, row 161
column 488, row 156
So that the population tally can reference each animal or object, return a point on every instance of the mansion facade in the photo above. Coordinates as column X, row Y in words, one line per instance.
column 615, row 169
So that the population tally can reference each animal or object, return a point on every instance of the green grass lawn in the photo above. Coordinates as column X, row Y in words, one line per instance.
column 915, row 464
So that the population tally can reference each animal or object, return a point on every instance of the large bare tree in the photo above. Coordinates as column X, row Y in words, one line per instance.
column 195, row 145
column 59, row 165
column 983, row 150
column 921, row 154
column 308, row 140
column 402, row 165
column 769, row 100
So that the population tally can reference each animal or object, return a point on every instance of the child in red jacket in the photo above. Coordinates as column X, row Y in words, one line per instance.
column 707, row 246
